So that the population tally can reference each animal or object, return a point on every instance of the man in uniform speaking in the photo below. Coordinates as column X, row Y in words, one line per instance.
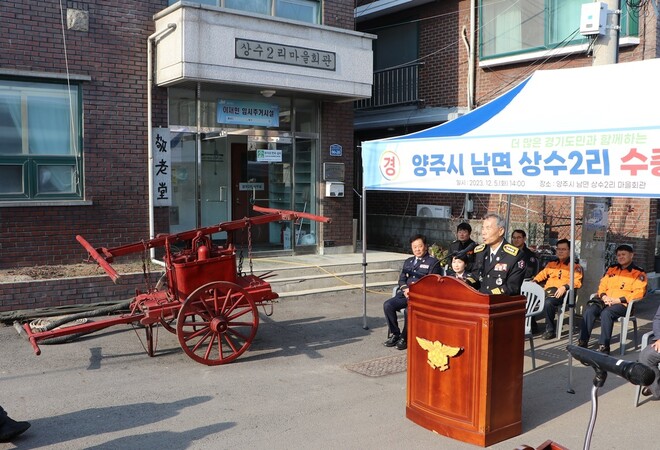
column 499, row 266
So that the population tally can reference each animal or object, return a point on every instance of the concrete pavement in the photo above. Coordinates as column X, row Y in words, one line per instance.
column 296, row 387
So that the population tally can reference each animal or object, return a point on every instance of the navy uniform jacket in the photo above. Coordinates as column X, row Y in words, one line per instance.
column 410, row 274
column 531, row 262
column 504, row 275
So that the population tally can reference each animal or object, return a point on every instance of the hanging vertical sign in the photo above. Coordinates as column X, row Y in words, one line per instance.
column 162, row 167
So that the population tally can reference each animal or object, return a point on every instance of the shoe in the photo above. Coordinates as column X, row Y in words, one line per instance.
column 583, row 344
column 401, row 344
column 548, row 335
column 646, row 392
column 392, row 340
column 10, row 429
column 604, row 349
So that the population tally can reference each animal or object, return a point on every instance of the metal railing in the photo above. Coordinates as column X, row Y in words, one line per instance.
column 398, row 86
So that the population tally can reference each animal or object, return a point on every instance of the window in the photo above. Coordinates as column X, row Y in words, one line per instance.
column 300, row 10
column 396, row 45
column 511, row 27
column 40, row 134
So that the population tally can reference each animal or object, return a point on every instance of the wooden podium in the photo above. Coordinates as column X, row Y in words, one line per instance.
column 476, row 395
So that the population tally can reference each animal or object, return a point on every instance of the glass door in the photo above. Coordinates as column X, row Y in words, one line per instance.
column 183, row 212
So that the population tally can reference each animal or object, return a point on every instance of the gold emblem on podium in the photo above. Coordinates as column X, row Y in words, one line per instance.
column 438, row 353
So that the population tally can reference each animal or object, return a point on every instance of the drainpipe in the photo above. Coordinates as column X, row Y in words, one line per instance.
column 152, row 233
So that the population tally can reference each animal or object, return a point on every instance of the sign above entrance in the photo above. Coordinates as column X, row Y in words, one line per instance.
column 240, row 112
column 285, row 54
column 269, row 155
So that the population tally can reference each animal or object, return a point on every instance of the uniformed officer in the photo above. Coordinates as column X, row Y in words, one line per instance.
column 499, row 266
column 623, row 283
column 519, row 239
column 414, row 268
column 555, row 277
column 462, row 246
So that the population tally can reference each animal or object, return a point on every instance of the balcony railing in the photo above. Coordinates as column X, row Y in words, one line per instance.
column 398, row 86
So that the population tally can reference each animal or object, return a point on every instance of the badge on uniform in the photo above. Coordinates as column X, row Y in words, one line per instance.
column 500, row 267
column 423, row 266
column 521, row 264
column 498, row 281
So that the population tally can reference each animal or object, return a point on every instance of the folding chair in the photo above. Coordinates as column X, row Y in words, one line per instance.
column 535, row 300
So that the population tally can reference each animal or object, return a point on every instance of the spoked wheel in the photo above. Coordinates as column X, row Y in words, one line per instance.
column 217, row 323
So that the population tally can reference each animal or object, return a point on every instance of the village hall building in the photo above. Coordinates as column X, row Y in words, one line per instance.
column 122, row 119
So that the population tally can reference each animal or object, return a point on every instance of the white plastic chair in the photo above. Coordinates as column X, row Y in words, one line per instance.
column 562, row 314
column 535, row 300
column 625, row 322
column 645, row 341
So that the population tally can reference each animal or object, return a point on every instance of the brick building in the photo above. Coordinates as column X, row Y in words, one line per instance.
column 242, row 105
column 423, row 77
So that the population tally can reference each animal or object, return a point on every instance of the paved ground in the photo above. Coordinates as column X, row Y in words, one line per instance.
column 293, row 389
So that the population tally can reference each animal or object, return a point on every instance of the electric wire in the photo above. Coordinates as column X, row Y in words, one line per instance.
column 72, row 127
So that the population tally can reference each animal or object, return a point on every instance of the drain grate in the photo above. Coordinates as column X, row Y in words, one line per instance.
column 380, row 367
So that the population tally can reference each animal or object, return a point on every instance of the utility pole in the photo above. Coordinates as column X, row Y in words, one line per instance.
column 606, row 47
column 606, row 51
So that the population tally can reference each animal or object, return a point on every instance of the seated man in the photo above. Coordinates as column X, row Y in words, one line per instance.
column 414, row 268
column 519, row 239
column 650, row 356
column 623, row 283
column 556, row 276
column 462, row 246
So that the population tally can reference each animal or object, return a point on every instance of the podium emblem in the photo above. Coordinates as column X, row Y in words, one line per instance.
column 438, row 353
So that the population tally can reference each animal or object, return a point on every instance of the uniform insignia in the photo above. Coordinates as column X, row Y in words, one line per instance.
column 499, row 282
column 521, row 263
column 479, row 248
column 496, row 291
column 438, row 353
column 510, row 249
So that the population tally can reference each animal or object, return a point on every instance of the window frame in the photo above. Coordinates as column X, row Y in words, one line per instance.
column 629, row 22
column 272, row 6
column 30, row 163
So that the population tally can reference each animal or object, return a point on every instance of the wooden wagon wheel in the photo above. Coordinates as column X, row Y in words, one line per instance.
column 217, row 323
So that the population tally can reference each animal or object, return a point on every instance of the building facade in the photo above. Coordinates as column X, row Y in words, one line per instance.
column 122, row 119
column 436, row 60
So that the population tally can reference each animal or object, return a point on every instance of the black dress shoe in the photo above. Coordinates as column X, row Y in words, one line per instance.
column 548, row 335
column 401, row 344
column 646, row 392
column 392, row 340
column 604, row 349
column 10, row 429
column 583, row 344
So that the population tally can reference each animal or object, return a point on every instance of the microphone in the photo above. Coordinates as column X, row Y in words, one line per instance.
column 634, row 372
column 466, row 250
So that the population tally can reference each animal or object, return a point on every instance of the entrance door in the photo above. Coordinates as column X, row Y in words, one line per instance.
column 249, row 183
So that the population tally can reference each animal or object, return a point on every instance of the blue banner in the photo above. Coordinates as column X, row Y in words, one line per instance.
column 238, row 112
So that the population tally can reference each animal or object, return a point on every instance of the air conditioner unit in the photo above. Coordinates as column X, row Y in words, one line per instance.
column 443, row 212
